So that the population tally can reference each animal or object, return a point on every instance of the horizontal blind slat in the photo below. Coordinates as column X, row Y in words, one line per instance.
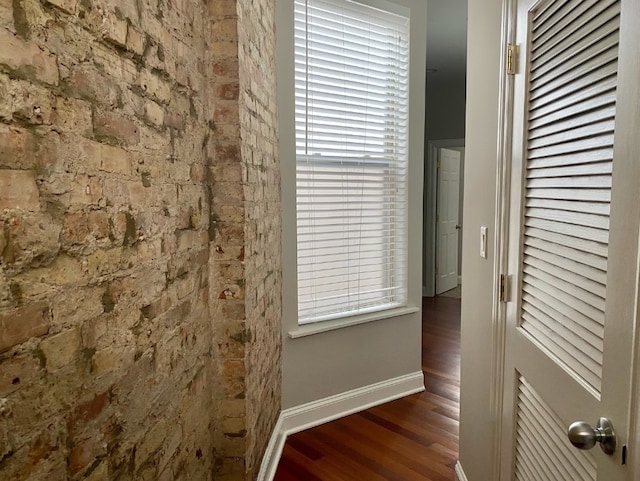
column 351, row 127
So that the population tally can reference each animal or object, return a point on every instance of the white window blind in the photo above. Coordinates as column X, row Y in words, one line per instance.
column 351, row 112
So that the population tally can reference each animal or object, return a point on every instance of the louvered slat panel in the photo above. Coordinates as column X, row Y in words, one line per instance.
column 546, row 94
column 598, row 235
column 552, row 448
column 586, row 31
column 548, row 17
column 586, row 25
column 589, row 168
column 539, row 307
column 543, row 452
column 581, row 310
column 568, row 62
column 570, row 73
column 583, row 106
column 567, row 252
column 583, row 181
column 584, row 365
column 571, row 148
column 570, row 331
column 539, row 109
column 597, row 155
column 571, row 120
column 583, row 465
column 568, row 206
column 575, row 272
column 565, row 136
column 586, row 195
column 560, row 272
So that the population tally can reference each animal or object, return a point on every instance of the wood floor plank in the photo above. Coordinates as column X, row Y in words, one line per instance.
column 411, row 439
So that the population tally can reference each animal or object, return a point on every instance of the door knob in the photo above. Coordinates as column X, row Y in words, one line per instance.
column 583, row 436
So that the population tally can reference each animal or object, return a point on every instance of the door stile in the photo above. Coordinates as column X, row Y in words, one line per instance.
column 514, row 217
column 625, row 232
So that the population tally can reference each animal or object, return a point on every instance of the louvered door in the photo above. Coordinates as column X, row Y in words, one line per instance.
column 568, row 349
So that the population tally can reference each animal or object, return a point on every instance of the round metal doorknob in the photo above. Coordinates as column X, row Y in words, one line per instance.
column 583, row 436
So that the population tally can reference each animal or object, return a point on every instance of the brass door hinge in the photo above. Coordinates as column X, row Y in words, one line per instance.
column 512, row 56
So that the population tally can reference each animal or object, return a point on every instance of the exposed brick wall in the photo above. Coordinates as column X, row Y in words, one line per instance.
column 245, row 267
column 139, row 239
column 258, row 123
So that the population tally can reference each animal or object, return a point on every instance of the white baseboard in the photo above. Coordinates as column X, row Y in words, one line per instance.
column 460, row 476
column 324, row 410
column 273, row 452
column 313, row 414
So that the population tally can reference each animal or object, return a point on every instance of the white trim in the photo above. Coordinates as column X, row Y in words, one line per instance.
column 318, row 412
column 501, row 239
column 273, row 452
column 460, row 476
column 324, row 326
column 330, row 408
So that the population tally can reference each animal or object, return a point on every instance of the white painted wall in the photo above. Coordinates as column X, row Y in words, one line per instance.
column 329, row 363
column 483, row 65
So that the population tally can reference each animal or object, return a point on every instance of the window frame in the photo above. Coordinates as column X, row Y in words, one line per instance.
column 415, row 10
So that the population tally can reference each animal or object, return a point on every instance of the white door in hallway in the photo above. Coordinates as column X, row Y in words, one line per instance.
column 573, row 238
column 447, row 226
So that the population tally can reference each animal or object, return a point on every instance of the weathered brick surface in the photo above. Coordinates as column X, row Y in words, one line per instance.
column 262, row 221
column 139, row 239
column 27, row 59
column 245, row 220
column 22, row 324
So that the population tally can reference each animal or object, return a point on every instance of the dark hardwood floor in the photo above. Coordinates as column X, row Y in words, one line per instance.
column 412, row 439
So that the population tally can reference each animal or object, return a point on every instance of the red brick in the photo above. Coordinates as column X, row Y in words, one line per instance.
column 23, row 324
column 87, row 411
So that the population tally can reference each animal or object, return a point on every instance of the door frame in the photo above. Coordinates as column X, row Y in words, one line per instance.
column 442, row 185
column 429, row 209
column 631, row 21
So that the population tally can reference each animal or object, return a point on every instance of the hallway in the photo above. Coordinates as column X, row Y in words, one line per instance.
column 411, row 439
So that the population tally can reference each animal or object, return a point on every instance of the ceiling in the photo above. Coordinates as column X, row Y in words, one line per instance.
column 447, row 37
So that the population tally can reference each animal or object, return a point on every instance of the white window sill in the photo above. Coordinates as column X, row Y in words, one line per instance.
column 324, row 326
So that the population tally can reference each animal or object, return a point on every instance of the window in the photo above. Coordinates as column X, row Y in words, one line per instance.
column 351, row 132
